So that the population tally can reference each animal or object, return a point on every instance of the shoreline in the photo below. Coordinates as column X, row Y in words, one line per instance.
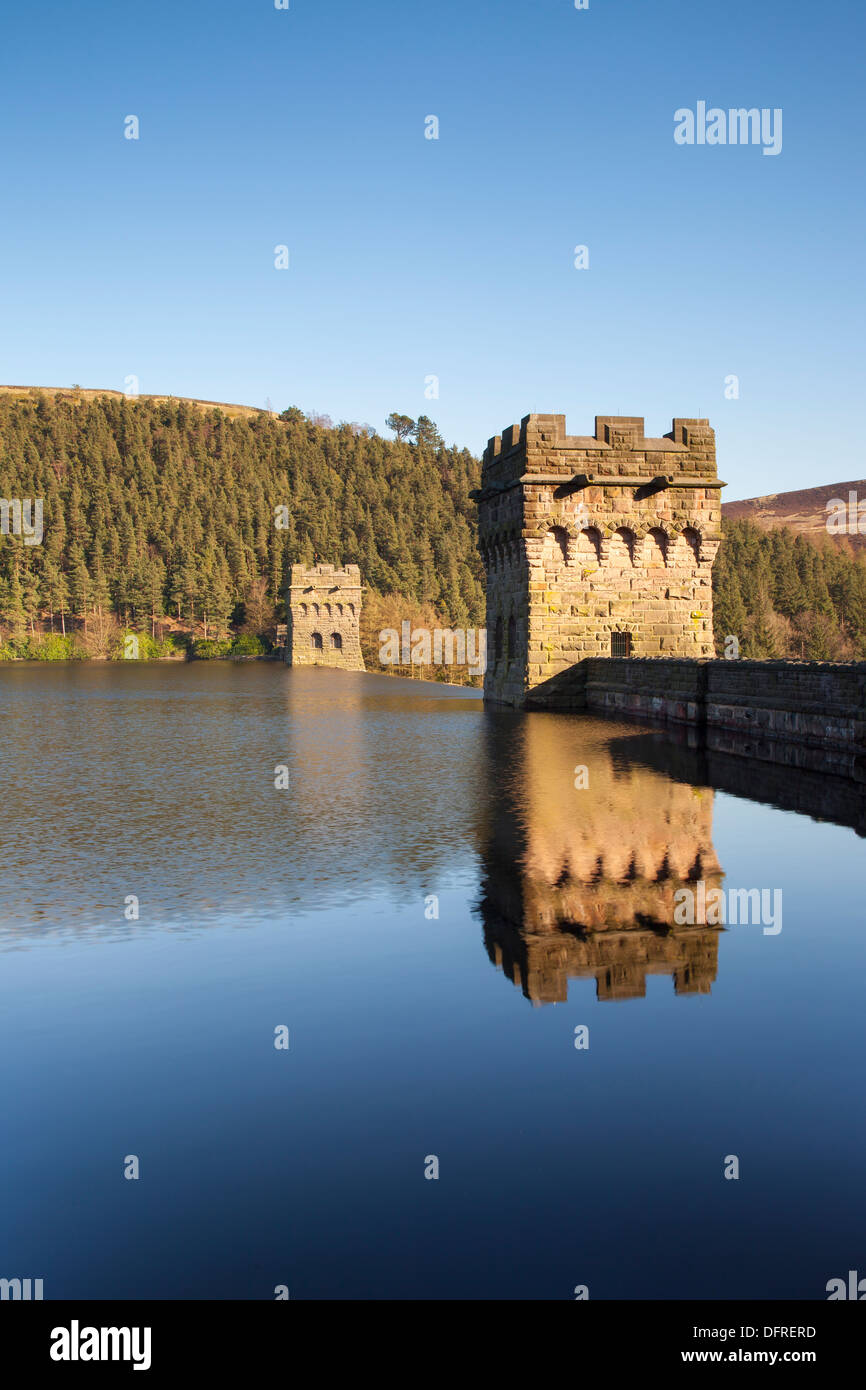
column 212, row 660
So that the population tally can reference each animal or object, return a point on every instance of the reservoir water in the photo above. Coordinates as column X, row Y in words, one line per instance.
column 462, row 922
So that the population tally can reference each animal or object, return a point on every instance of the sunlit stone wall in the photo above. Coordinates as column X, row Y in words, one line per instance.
column 323, row 607
column 593, row 542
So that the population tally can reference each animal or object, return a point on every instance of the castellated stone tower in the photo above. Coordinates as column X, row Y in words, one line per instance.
column 324, row 617
column 595, row 546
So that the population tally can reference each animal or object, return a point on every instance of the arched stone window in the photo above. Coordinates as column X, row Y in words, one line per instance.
column 692, row 539
column 340, row 609
column 314, row 609
column 316, row 641
column 336, row 641
column 351, row 608
column 589, row 546
column 656, row 549
column 303, row 610
column 327, row 610
column 621, row 551
column 497, row 640
column 511, row 649
column 555, row 549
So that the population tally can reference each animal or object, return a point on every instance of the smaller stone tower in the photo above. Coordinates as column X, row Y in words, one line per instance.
column 323, row 606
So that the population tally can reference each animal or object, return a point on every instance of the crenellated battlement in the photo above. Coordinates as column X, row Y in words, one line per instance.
column 317, row 575
column 540, row 435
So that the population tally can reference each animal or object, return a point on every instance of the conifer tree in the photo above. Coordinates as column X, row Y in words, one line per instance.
column 13, row 609
column 79, row 583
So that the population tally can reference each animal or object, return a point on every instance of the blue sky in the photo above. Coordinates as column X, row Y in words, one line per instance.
column 452, row 257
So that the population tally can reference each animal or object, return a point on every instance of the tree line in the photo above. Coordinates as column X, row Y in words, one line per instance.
column 165, row 515
column 783, row 595
column 165, row 512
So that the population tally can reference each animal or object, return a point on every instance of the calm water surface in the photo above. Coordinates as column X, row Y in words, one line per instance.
column 413, row 1034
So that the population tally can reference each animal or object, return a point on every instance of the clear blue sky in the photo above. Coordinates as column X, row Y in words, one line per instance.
column 454, row 257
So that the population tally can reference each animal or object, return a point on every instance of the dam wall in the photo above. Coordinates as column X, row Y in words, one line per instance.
column 810, row 715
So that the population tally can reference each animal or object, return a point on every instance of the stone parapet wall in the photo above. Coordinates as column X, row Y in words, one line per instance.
column 816, row 707
column 672, row 689
column 807, row 714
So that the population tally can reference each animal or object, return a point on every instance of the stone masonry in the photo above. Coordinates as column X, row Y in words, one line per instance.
column 323, row 607
column 595, row 546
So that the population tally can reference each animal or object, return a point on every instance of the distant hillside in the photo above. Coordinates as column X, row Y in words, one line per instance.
column 163, row 508
column 804, row 512
column 74, row 394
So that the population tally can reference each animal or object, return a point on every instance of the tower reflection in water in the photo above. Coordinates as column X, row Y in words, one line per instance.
column 587, row 843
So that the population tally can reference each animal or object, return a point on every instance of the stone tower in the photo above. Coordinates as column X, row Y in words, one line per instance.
column 324, row 617
column 595, row 546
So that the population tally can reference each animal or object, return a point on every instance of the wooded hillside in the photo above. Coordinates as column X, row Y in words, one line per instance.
column 156, row 508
